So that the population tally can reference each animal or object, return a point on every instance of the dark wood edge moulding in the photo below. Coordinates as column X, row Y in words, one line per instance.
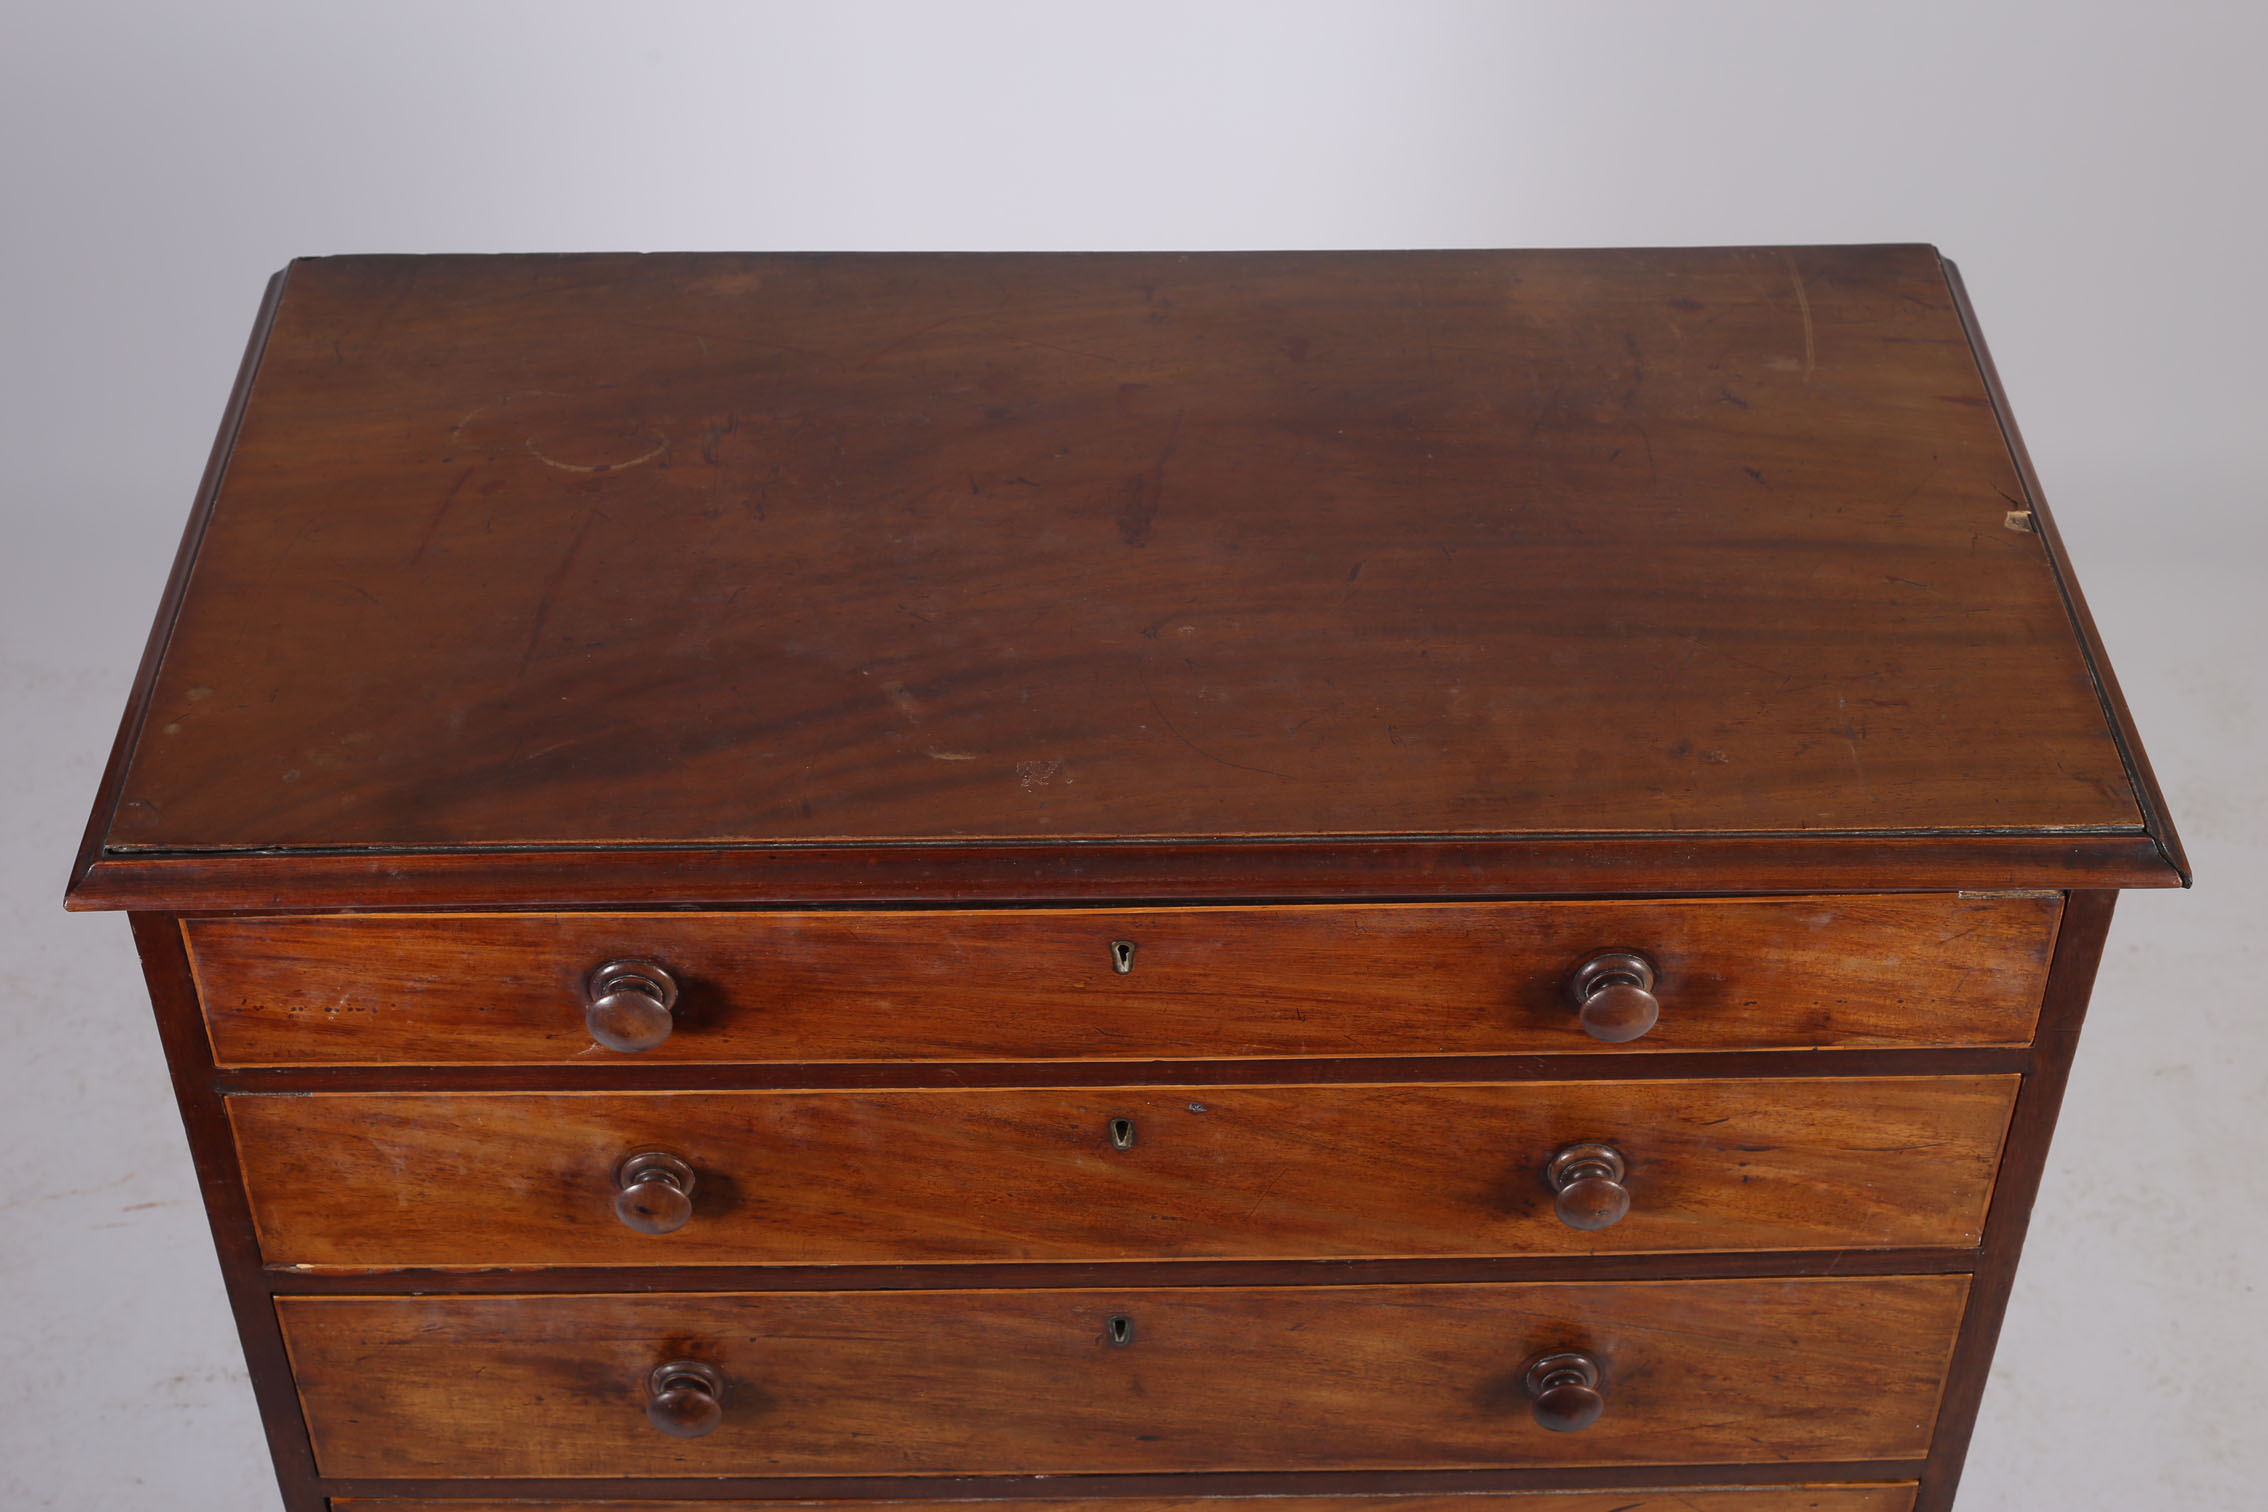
column 1894, row 1476
column 169, row 603
column 1120, row 873
column 804, row 1076
column 1715, row 1265
column 1164, row 870
column 1078, row 1487
column 2155, row 817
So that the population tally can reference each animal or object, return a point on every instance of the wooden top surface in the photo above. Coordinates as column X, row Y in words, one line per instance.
column 849, row 550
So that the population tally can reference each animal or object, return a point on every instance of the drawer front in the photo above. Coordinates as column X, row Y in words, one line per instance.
column 366, row 1179
column 1200, row 983
column 1881, row 1497
column 1036, row 1382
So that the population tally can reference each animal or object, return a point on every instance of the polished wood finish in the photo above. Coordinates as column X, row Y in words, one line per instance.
column 396, row 1179
column 987, row 551
column 1216, row 1378
column 1412, row 979
column 1879, row 1498
column 624, row 948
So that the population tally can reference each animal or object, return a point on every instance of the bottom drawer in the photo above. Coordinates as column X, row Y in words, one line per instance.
column 1070, row 1381
column 1875, row 1498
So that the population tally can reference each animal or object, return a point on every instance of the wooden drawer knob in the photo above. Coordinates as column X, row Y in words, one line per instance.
column 1566, row 1391
column 1587, row 1179
column 630, row 1005
column 653, row 1192
column 685, row 1398
column 1613, row 993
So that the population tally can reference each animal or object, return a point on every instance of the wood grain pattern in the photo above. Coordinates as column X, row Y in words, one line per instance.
column 1877, row 1498
column 1712, row 1372
column 1038, row 985
column 788, row 549
column 386, row 1179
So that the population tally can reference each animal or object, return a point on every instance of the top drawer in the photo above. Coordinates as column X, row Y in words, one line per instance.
column 1196, row 983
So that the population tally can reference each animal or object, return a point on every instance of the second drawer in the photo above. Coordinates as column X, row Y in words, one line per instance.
column 360, row 1180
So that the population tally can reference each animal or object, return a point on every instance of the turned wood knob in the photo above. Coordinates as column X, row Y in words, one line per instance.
column 653, row 1192
column 685, row 1398
column 1613, row 993
column 1566, row 1391
column 630, row 1005
column 1587, row 1179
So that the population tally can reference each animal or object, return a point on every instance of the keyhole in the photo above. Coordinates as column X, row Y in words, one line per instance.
column 1122, row 1133
column 1122, row 956
column 1121, row 1330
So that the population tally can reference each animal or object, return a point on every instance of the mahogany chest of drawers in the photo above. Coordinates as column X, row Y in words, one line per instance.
column 1403, row 882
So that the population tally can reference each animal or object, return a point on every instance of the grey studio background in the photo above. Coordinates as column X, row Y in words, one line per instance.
column 2097, row 171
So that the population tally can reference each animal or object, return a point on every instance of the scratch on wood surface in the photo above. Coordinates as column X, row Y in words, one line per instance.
column 1159, row 710
column 1268, row 1189
column 457, row 431
column 1139, row 505
column 1071, row 351
column 1850, row 737
column 434, row 524
column 661, row 445
column 551, row 591
column 910, row 336
column 1803, row 303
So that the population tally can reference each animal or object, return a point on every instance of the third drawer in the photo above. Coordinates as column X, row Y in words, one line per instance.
column 1087, row 1381
column 359, row 1180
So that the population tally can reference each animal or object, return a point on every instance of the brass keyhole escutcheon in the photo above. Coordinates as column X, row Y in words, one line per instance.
column 1122, row 1133
column 1119, row 1331
column 1122, row 956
